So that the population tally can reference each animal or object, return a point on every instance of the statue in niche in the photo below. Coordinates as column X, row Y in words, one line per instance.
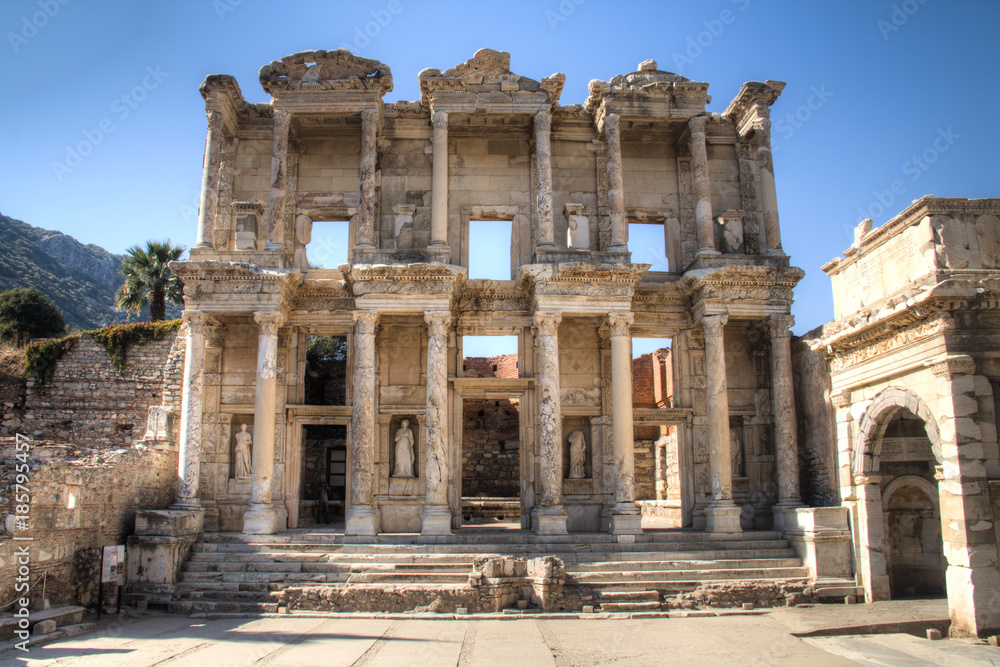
column 736, row 451
column 577, row 455
column 404, row 451
column 242, row 459
column 303, row 237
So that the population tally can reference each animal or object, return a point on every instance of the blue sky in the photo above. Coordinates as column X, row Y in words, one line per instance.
column 885, row 102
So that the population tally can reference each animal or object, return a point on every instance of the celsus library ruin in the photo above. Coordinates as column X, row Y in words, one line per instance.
column 313, row 437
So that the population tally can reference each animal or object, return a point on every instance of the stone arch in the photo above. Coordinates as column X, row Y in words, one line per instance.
column 911, row 480
column 911, row 510
column 886, row 404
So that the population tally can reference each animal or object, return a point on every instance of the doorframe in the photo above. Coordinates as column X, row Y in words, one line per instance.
column 297, row 417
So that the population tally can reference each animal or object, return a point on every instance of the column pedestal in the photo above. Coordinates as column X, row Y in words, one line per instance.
column 722, row 519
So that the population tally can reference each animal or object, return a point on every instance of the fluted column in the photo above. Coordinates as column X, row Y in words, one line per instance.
column 768, row 191
column 543, row 172
column 616, row 184
column 279, row 171
column 439, row 182
column 261, row 517
column 189, row 449
column 625, row 517
column 361, row 518
column 551, row 516
column 702, row 187
column 722, row 515
column 210, row 180
column 785, row 423
column 366, row 213
column 436, row 518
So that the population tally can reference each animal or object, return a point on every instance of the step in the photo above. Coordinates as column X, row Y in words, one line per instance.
column 677, row 564
column 630, row 596
column 671, row 587
column 743, row 574
column 193, row 606
column 630, row 606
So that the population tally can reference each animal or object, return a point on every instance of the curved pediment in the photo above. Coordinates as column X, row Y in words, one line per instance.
column 487, row 72
column 326, row 70
column 651, row 83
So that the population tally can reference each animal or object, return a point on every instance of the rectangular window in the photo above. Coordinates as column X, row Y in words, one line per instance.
column 329, row 244
column 489, row 249
column 647, row 243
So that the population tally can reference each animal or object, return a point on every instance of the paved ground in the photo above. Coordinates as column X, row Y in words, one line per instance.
column 514, row 642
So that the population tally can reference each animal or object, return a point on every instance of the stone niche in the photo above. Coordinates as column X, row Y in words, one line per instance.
column 580, row 496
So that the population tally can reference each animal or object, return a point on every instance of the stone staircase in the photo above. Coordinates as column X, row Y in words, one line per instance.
column 229, row 572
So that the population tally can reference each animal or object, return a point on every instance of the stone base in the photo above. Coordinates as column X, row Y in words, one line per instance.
column 361, row 520
column 821, row 536
column 436, row 520
column 551, row 521
column 722, row 519
column 260, row 519
column 174, row 522
column 626, row 520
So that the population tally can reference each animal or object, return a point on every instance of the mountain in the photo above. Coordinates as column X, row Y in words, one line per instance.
column 80, row 279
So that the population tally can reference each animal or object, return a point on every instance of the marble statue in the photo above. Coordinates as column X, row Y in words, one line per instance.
column 404, row 451
column 736, row 451
column 242, row 452
column 577, row 455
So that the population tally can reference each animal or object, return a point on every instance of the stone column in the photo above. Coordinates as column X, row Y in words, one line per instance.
column 436, row 518
column 361, row 518
column 702, row 187
column 210, row 180
column 768, row 191
column 551, row 515
column 279, row 170
column 439, row 182
column 366, row 213
column 785, row 423
column 625, row 517
column 721, row 515
column 189, row 448
column 616, row 184
column 543, row 172
column 261, row 517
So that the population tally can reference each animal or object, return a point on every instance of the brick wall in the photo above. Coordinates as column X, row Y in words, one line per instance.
column 491, row 448
column 501, row 366
column 89, row 401
column 82, row 499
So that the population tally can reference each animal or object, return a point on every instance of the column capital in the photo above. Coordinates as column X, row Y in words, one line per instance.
column 547, row 322
column 437, row 320
column 867, row 479
column 369, row 115
column 440, row 120
column 697, row 124
column 620, row 323
column 282, row 118
column 196, row 320
column 612, row 123
column 780, row 325
column 269, row 321
column 365, row 321
column 841, row 399
column 713, row 324
column 958, row 364
column 543, row 121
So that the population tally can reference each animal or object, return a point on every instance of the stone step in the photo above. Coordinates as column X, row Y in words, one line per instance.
column 630, row 596
column 671, row 587
column 679, row 564
column 339, row 559
column 630, row 606
column 837, row 589
column 689, row 574
column 231, row 606
column 261, row 565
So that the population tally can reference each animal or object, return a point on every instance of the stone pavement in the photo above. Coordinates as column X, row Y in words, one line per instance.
column 564, row 640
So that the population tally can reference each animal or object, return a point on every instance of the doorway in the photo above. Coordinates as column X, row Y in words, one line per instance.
column 323, row 458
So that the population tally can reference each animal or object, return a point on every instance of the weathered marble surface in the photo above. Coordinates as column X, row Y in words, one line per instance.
column 361, row 514
column 189, row 448
column 436, row 449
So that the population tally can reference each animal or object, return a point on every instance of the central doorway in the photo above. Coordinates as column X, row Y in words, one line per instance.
column 324, row 459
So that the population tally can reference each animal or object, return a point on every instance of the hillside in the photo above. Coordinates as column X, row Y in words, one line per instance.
column 80, row 279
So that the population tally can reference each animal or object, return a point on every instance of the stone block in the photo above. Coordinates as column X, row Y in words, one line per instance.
column 44, row 627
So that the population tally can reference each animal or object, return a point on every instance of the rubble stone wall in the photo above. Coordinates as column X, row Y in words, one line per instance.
column 817, row 438
column 81, row 499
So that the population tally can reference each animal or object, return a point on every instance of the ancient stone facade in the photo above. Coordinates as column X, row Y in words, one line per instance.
column 914, row 380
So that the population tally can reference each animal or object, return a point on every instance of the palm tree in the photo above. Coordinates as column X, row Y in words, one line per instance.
column 148, row 279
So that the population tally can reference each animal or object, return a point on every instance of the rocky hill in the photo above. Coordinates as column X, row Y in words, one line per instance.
column 80, row 279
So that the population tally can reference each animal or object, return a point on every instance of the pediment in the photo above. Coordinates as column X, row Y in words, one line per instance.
column 487, row 72
column 325, row 70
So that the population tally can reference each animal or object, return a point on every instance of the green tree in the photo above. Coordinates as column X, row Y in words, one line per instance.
column 148, row 279
column 26, row 313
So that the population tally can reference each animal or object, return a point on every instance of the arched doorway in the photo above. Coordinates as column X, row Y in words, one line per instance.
column 915, row 557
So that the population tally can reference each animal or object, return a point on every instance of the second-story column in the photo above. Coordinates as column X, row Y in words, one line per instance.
column 616, row 184
column 722, row 515
column 189, row 447
column 439, row 181
column 261, row 517
column 543, row 172
column 768, row 190
column 367, row 237
column 702, row 187
column 361, row 518
column 279, row 172
column 210, row 180
column 550, row 515
column 785, row 423
column 436, row 517
column 625, row 516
